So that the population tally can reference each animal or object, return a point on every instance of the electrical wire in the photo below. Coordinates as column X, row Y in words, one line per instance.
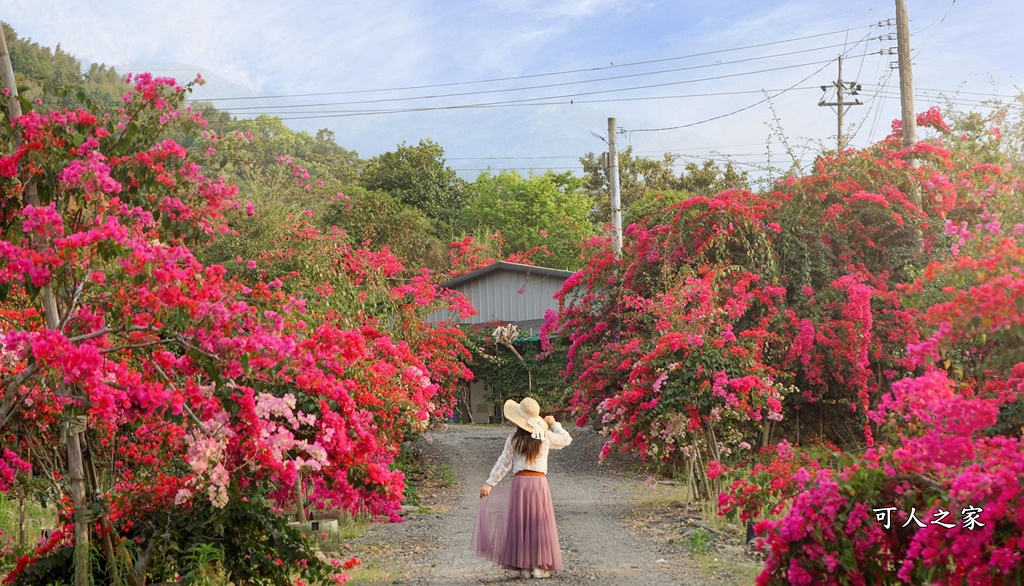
column 958, row 92
column 546, row 74
column 534, row 87
column 757, row 103
column 562, row 103
column 570, row 97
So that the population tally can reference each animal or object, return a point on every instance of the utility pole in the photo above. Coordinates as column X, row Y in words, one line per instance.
column 613, row 181
column 840, row 104
column 907, row 107
column 906, row 75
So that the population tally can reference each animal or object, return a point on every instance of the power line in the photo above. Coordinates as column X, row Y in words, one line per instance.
column 546, row 74
column 562, row 103
column 560, row 157
column 762, row 165
column 534, row 87
column 759, row 102
column 986, row 94
column 570, row 97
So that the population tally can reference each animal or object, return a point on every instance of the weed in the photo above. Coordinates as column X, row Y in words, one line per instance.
column 446, row 477
column 406, row 462
column 699, row 542
column 204, row 561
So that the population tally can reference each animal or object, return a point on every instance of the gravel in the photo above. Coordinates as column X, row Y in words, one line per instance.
column 604, row 540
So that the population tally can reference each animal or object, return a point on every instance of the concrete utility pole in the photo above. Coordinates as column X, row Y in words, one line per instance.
column 613, row 181
column 841, row 105
column 906, row 75
column 907, row 106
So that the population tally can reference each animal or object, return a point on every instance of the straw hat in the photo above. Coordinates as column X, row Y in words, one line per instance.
column 527, row 416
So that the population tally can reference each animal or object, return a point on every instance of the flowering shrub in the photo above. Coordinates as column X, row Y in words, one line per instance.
column 887, row 294
column 204, row 391
column 671, row 343
column 879, row 517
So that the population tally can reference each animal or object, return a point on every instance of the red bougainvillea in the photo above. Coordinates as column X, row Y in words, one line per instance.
column 201, row 389
column 886, row 296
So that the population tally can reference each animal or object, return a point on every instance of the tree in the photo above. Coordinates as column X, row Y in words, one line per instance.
column 379, row 221
column 205, row 394
column 546, row 210
column 44, row 73
column 640, row 177
column 729, row 317
column 418, row 176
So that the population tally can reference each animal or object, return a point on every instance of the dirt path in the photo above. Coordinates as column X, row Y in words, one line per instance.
column 594, row 507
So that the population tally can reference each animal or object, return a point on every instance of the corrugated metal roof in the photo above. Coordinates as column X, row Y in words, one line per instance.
column 508, row 266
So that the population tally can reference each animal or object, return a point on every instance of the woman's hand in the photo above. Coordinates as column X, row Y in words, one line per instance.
column 549, row 420
column 485, row 490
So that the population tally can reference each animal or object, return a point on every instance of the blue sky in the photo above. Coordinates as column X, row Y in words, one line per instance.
column 674, row 63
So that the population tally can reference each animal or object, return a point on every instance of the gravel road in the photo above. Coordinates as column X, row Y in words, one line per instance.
column 592, row 507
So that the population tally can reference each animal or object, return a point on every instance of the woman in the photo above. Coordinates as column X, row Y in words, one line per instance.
column 528, row 543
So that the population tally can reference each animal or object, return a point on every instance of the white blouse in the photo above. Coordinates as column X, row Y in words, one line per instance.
column 554, row 438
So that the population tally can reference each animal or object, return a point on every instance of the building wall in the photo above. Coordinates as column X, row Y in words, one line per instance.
column 508, row 296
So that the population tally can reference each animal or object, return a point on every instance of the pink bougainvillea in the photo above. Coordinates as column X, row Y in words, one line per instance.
column 886, row 296
column 201, row 387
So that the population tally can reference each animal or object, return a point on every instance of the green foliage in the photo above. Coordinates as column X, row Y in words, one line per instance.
column 446, row 477
column 36, row 519
column 699, row 542
column 508, row 377
column 247, row 540
column 994, row 136
column 379, row 221
column 406, row 462
column 546, row 210
column 41, row 72
column 418, row 176
column 205, row 562
column 271, row 139
column 653, row 207
column 640, row 177
column 57, row 568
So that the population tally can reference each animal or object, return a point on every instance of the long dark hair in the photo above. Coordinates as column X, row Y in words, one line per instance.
column 524, row 444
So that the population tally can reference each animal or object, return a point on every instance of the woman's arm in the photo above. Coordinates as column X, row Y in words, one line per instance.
column 502, row 466
column 557, row 437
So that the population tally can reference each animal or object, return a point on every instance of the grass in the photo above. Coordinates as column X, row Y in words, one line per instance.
column 349, row 527
column 744, row 573
column 446, row 477
column 660, row 501
column 36, row 519
column 368, row 573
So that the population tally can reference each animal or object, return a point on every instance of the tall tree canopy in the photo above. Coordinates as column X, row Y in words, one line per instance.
column 546, row 210
column 640, row 177
column 418, row 176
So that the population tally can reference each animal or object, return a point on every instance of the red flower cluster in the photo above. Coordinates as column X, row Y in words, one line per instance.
column 197, row 384
column 845, row 287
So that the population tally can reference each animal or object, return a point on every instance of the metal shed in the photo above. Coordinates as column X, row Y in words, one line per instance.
column 504, row 293
column 508, row 292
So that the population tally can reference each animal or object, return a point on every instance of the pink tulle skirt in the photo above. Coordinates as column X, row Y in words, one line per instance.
column 516, row 528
